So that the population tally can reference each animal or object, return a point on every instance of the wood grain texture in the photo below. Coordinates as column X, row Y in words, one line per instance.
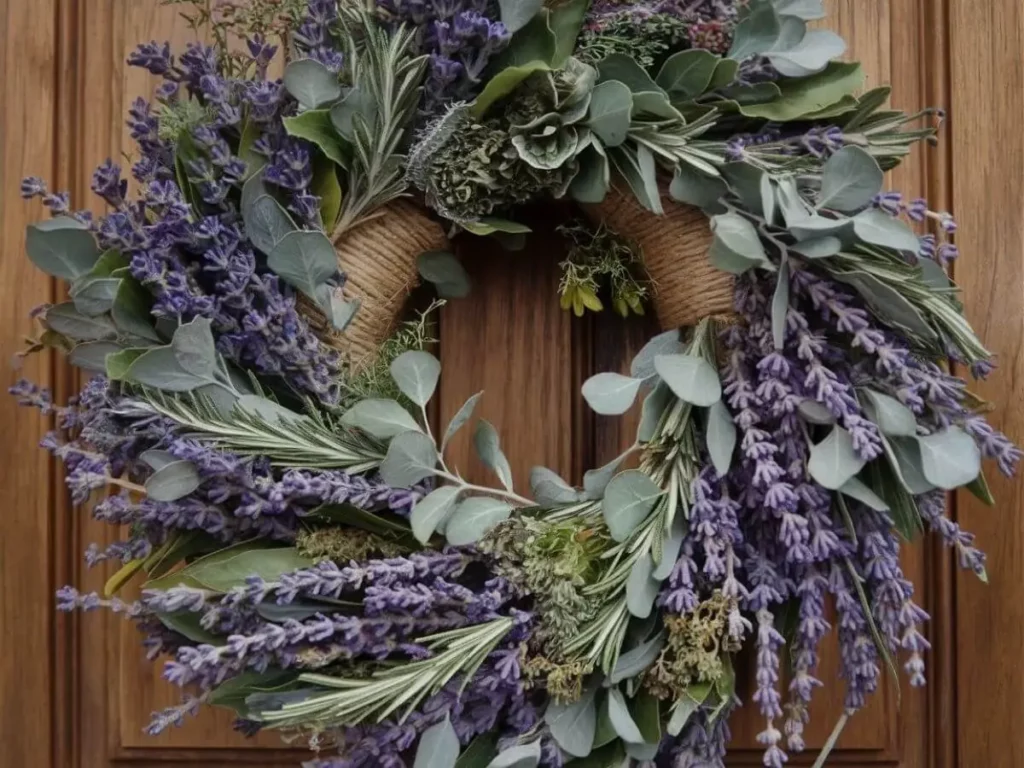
column 987, row 112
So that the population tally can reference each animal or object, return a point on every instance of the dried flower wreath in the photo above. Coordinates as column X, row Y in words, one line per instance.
column 259, row 412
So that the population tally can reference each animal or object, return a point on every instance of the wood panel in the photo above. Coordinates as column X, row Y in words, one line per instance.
column 987, row 101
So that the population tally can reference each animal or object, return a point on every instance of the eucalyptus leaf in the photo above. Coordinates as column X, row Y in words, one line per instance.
column 431, row 512
column 474, row 517
column 641, row 587
column 745, row 181
column 316, row 127
column 780, row 306
column 818, row 247
column 655, row 404
column 891, row 416
column 311, row 83
column 304, row 260
column 194, row 348
column 757, row 32
column 815, row 412
column 879, row 228
column 521, row 756
column 549, row 489
column 720, row 435
column 687, row 74
column 173, row 481
column 95, row 295
column 691, row 378
column 159, row 368
column 637, row 660
column 92, row 355
column 691, row 187
column 850, row 179
column 855, row 489
column 380, row 418
column 460, row 418
column 833, row 461
column 736, row 246
column 808, row 10
column 446, row 273
column 812, row 54
column 411, row 457
column 590, row 184
column 157, row 459
column 416, row 373
column 488, row 448
column 573, row 724
column 622, row 720
column 628, row 500
column 609, row 115
column 62, row 247
column 666, row 343
column 266, row 222
column 66, row 320
column 438, row 747
column 950, row 458
column 516, row 14
column 611, row 393
column 356, row 106
column 595, row 481
column 905, row 456
column 131, row 311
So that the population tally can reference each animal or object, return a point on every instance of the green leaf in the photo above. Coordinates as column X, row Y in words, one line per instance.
column 173, row 481
column 194, row 348
column 641, row 587
column 95, row 295
column 850, row 179
column 624, row 69
column 590, row 184
column 687, row 74
column 622, row 720
column 818, row 248
column 647, row 716
column 131, row 310
column 879, row 228
column 474, row 517
column 780, row 306
column 326, row 186
column 503, row 83
column 311, row 83
column 950, row 458
column 720, row 435
column 757, row 32
column 479, row 753
column 883, row 480
column 488, row 448
column 808, row 10
column 159, row 368
column 565, row 22
column 802, row 96
column 636, row 660
column 516, row 14
column 316, row 127
column 118, row 363
column 888, row 303
column 812, row 54
column 430, row 512
column 446, row 273
column 380, row 418
column 815, row 412
column 692, row 187
column 188, row 624
column 628, row 500
column 521, row 756
column 611, row 105
column 725, row 74
column 231, row 566
column 745, row 181
column 66, row 320
column 266, row 222
column 855, row 489
column 667, row 343
column 638, row 169
column 880, row 643
column 353, row 517
column 595, row 481
column 611, row 393
column 62, row 247
column 653, row 408
column 891, row 416
column 573, row 725
column 411, row 457
column 833, row 461
column 357, row 105
column 550, row 490
column 254, row 161
column 670, row 546
column 867, row 105
column 416, row 373
column 980, row 490
column 904, row 455
column 438, row 747
column 157, row 459
column 460, row 418
column 304, row 260
column 92, row 355
column 737, row 246
column 691, row 378
column 491, row 224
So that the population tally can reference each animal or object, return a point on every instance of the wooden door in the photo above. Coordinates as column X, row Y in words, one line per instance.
column 74, row 691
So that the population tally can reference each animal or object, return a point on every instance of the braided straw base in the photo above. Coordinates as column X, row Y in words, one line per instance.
column 378, row 258
column 674, row 249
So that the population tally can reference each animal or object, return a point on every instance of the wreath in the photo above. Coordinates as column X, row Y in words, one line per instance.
column 259, row 410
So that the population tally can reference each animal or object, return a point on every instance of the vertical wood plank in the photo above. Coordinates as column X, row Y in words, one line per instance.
column 987, row 111
column 27, row 93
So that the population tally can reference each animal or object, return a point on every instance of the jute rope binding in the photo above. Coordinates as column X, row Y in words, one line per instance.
column 378, row 258
column 687, row 288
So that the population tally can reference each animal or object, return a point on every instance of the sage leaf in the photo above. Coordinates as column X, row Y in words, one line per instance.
column 768, row 199
column 670, row 547
column 745, row 181
column 304, row 260
column 62, row 247
column 565, row 21
column 173, row 481
column 850, row 179
column 878, row 228
column 574, row 724
column 488, row 448
column 890, row 415
column 194, row 348
column 950, row 458
column 694, row 188
column 666, row 343
column 380, row 418
column 815, row 227
column 66, row 320
column 438, row 747
column 311, row 83
column 430, row 512
column 687, row 74
column 445, row 272
column 95, row 295
column 516, row 14
column 595, row 481
column 833, row 461
column 92, row 355
column 549, row 489
column 411, row 457
column 622, row 721
column 691, row 378
column 780, row 306
column 521, row 756
column 904, row 455
column 855, row 489
column 818, row 247
column 460, row 418
column 684, row 708
column 416, row 373
column 628, row 500
column 641, row 587
column 636, row 660
column 474, row 517
column 159, row 368
column 118, row 363
column 647, row 716
column 980, row 490
column 721, row 437
column 611, row 394
column 609, row 116
column 590, row 185
column 131, row 311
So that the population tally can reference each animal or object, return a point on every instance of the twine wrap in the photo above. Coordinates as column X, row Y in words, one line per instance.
column 378, row 259
column 687, row 288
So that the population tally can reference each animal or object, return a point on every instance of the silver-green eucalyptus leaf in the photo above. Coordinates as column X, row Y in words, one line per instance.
column 850, row 179
column 595, row 481
column 380, row 418
column 311, row 83
column 488, row 447
column 95, row 295
column 641, row 587
column 878, row 228
column 473, row 518
column 194, row 348
column 811, row 55
column 818, row 248
column 950, row 458
column 888, row 303
column 416, row 373
column 446, row 273
column 438, row 747
column 611, row 105
column 891, row 416
column 904, row 456
column 808, row 10
column 520, row 756
column 833, row 461
column 431, row 512
column 691, row 378
column 62, row 247
column 815, row 412
column 655, row 404
column 666, row 343
column 692, row 187
column 550, row 490
column 460, row 418
column 173, row 481
column 304, row 260
column 721, row 437
column 856, row 489
column 628, row 500
column 411, row 457
column 611, row 394
column 266, row 222
column 573, row 724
